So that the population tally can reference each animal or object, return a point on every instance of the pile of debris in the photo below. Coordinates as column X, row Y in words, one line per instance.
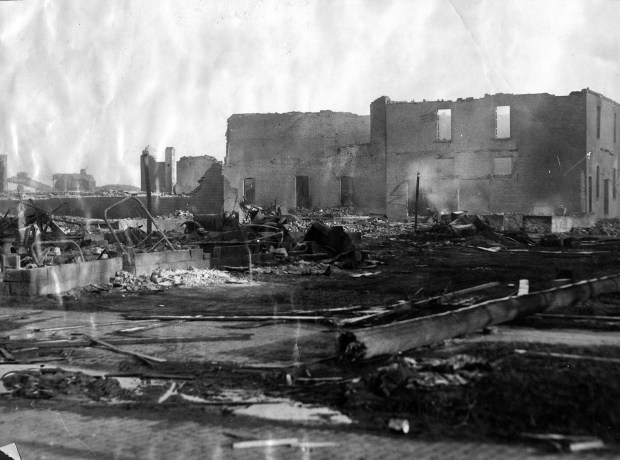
column 161, row 279
column 408, row 374
column 46, row 383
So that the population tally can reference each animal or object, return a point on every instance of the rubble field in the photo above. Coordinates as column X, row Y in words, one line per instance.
column 186, row 343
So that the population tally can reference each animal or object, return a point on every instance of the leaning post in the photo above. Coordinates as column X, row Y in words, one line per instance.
column 146, row 172
column 417, row 194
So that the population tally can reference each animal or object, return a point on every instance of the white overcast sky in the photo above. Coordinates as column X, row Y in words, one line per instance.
column 89, row 83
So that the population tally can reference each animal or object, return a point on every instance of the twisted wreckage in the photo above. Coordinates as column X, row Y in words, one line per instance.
column 413, row 296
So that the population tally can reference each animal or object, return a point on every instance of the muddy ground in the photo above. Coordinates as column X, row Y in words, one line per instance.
column 476, row 388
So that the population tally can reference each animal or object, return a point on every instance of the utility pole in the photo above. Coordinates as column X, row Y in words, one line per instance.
column 417, row 194
column 146, row 173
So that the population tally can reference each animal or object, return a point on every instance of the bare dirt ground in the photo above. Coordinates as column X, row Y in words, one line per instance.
column 484, row 390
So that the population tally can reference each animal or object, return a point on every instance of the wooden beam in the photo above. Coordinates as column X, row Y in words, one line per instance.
column 405, row 335
column 18, row 344
column 146, row 358
column 400, row 308
column 229, row 318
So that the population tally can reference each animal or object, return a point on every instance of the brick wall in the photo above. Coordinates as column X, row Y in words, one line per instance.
column 469, row 170
column 274, row 148
column 603, row 153
column 208, row 197
column 190, row 170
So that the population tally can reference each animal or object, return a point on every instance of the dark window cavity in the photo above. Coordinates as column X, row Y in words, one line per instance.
column 249, row 192
column 346, row 191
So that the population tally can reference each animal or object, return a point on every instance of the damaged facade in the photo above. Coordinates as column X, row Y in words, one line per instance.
column 190, row 170
column 163, row 174
column 175, row 176
column 530, row 153
column 304, row 160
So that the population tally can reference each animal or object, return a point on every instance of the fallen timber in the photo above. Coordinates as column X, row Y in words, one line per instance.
column 392, row 338
column 78, row 343
column 403, row 307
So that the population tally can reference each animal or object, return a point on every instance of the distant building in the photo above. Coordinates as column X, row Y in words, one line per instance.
column 172, row 176
column 81, row 182
column 23, row 183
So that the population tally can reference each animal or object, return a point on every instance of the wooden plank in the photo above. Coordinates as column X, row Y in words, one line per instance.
column 402, row 307
column 452, row 295
column 80, row 326
column 542, row 354
column 5, row 353
column 405, row 335
column 229, row 318
column 578, row 317
column 18, row 344
column 133, row 330
column 146, row 358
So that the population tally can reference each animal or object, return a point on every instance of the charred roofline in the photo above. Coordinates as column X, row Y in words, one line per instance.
column 469, row 99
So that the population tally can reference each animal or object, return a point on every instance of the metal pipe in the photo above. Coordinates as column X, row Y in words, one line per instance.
column 107, row 222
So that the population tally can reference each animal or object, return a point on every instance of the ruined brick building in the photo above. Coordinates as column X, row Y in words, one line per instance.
column 529, row 153
column 163, row 174
column 172, row 175
column 305, row 160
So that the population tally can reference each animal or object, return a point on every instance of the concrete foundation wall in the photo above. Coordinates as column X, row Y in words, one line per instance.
column 58, row 278
column 562, row 224
column 145, row 263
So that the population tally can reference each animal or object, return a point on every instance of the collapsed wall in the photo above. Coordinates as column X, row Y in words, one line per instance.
column 299, row 160
column 529, row 161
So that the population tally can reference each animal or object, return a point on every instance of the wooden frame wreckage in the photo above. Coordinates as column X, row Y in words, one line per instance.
column 363, row 343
